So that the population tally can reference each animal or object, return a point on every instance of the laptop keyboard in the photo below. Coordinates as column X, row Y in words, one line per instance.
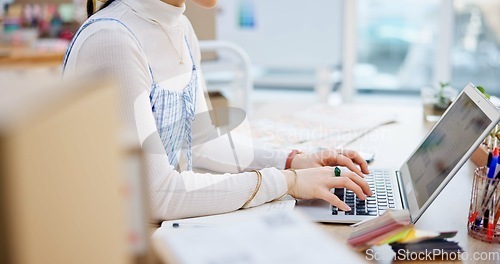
column 381, row 200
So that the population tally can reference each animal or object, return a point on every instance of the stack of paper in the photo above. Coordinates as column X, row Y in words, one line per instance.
column 385, row 229
column 394, row 227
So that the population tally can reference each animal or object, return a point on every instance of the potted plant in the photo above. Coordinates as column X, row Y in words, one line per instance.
column 436, row 100
column 482, row 90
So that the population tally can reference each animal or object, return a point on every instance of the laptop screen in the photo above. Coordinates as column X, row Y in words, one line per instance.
column 443, row 148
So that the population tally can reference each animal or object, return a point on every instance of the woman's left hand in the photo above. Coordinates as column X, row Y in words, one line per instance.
column 329, row 157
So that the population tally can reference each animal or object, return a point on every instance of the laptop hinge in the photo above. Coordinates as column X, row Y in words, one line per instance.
column 402, row 190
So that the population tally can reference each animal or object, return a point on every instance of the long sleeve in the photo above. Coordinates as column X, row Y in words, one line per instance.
column 112, row 50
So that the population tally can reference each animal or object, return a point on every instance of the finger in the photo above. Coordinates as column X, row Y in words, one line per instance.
column 347, row 162
column 346, row 182
column 334, row 200
column 357, row 158
column 328, row 157
column 359, row 181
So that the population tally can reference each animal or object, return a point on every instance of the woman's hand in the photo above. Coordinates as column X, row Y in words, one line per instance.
column 329, row 157
column 316, row 183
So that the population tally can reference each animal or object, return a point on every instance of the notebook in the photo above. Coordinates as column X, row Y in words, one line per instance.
column 425, row 173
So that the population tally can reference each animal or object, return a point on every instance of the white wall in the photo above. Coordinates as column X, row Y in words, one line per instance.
column 287, row 33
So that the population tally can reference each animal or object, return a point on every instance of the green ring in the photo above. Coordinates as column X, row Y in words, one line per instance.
column 337, row 171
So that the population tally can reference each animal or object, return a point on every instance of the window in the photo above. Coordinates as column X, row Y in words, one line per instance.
column 396, row 40
column 398, row 43
column 476, row 44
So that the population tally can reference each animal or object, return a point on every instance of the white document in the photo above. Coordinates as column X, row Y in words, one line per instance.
column 286, row 204
column 268, row 237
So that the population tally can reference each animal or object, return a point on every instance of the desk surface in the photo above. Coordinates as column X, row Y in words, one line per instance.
column 393, row 144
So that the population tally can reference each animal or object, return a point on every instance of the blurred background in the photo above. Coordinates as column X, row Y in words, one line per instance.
column 399, row 46
column 255, row 52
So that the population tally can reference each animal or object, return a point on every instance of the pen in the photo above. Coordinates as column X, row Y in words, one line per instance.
column 486, row 218
column 178, row 225
column 489, row 221
column 493, row 164
column 497, row 214
column 495, row 185
column 484, row 199
column 474, row 218
column 496, row 206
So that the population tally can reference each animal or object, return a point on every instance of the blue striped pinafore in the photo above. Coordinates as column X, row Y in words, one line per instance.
column 173, row 111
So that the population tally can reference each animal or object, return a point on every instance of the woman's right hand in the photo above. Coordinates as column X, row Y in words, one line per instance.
column 316, row 183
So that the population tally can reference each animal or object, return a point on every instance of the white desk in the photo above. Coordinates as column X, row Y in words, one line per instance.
column 393, row 144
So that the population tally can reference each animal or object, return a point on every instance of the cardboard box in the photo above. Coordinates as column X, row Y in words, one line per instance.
column 220, row 106
column 60, row 174
column 480, row 156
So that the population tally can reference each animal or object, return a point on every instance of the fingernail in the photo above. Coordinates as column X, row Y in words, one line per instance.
column 347, row 208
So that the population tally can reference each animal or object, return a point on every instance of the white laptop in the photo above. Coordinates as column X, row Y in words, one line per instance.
column 425, row 173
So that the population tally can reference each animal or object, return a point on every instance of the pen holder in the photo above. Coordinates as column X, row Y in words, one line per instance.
column 484, row 211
